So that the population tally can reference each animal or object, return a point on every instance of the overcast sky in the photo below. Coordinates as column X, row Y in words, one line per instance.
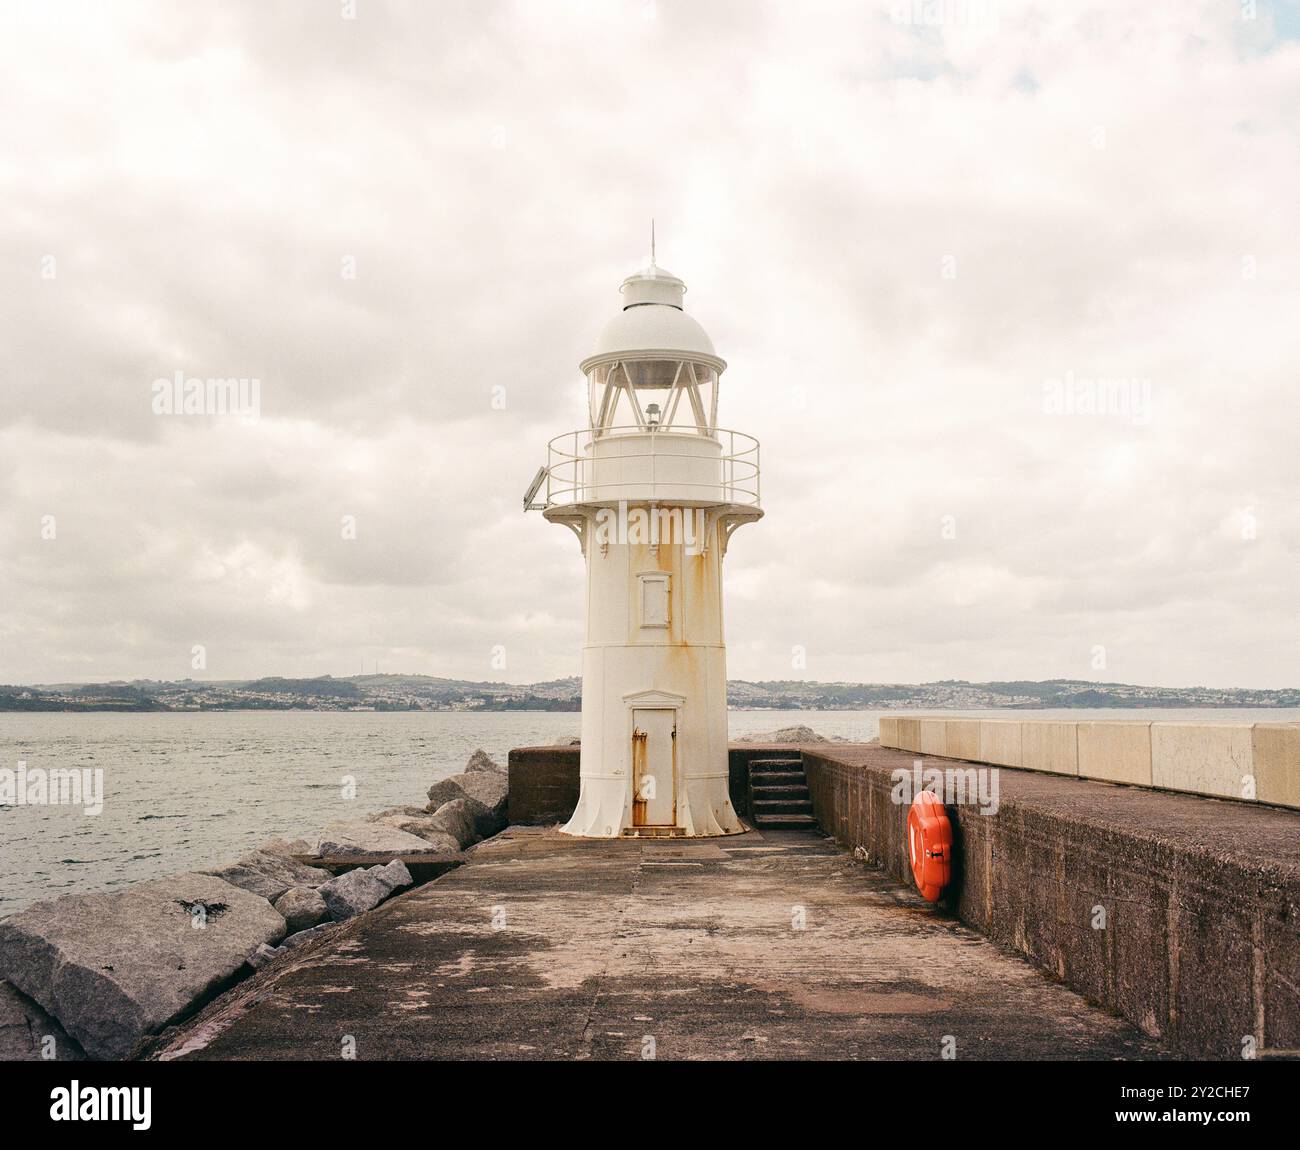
column 909, row 242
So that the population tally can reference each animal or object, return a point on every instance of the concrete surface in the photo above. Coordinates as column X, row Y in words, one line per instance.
column 1116, row 752
column 1250, row 761
column 934, row 737
column 1047, row 746
column 547, row 947
column 1275, row 763
column 544, row 783
column 961, row 738
column 999, row 742
column 1205, row 758
column 1180, row 912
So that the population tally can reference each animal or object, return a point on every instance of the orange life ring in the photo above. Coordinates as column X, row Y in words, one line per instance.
column 929, row 845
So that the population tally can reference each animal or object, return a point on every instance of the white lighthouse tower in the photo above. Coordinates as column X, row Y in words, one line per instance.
column 653, row 489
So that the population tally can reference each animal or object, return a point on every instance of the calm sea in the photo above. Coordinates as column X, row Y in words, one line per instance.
column 194, row 790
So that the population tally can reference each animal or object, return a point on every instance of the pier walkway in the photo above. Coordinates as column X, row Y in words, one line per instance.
column 772, row 944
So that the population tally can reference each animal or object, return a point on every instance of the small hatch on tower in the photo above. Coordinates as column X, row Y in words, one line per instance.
column 654, row 599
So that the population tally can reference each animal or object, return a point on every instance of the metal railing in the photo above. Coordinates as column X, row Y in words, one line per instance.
column 570, row 473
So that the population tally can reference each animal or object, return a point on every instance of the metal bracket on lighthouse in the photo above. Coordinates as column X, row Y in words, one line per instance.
column 533, row 489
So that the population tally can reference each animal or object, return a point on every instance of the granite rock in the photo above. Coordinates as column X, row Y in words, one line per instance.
column 363, row 889
column 114, row 967
column 264, row 954
column 419, row 822
column 460, row 819
column 29, row 1034
column 481, row 761
column 269, row 874
column 444, row 791
column 368, row 838
column 490, row 788
column 289, row 847
column 486, row 823
column 302, row 908
column 304, row 936
column 790, row 736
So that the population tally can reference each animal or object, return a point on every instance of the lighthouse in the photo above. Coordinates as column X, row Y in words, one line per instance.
column 653, row 489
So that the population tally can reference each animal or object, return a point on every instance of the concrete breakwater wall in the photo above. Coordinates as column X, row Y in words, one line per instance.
column 93, row 975
column 1251, row 761
column 1180, row 913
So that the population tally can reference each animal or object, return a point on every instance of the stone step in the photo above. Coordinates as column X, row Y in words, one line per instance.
column 783, row 791
column 779, row 791
column 785, row 822
column 782, row 807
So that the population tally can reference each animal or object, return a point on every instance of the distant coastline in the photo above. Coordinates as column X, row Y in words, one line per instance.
column 426, row 693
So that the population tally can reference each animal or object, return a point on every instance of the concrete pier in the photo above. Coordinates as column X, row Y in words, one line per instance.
column 1085, row 920
column 757, row 946
column 1177, row 911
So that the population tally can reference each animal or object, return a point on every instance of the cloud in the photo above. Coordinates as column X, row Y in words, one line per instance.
column 893, row 236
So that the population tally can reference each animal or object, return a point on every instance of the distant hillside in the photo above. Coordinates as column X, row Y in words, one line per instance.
column 425, row 693
column 957, row 694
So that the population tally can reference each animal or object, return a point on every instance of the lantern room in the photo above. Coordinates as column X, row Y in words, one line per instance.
column 652, row 430
column 654, row 368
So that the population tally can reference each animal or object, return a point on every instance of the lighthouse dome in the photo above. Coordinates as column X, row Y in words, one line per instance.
column 652, row 322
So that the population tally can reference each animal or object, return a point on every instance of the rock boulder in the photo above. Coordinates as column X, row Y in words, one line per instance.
column 115, row 967
column 790, row 736
column 444, row 791
column 481, row 761
column 264, row 954
column 363, row 889
column 29, row 1034
column 460, row 819
column 486, row 822
column 419, row 822
column 368, row 838
column 411, row 812
column 490, row 788
column 302, row 908
column 270, row 874
column 280, row 846
column 304, row 936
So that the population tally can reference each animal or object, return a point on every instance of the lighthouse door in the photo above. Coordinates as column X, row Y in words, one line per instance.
column 654, row 757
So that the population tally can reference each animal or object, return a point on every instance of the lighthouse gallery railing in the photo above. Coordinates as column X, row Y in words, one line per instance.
column 576, row 458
